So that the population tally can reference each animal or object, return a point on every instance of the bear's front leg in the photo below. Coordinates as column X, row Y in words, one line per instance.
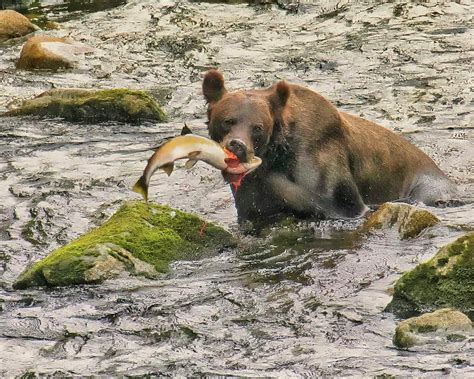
column 293, row 195
column 339, row 201
column 346, row 200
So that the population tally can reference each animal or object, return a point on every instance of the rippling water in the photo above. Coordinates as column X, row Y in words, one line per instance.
column 312, row 308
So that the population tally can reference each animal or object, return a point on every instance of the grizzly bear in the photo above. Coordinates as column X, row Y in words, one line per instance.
column 317, row 160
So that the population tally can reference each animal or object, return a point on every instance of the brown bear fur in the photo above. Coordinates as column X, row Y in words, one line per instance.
column 317, row 160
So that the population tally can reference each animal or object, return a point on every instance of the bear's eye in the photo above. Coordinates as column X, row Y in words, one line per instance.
column 227, row 123
column 257, row 130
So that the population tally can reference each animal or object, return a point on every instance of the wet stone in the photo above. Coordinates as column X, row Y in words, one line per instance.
column 268, row 313
column 446, row 280
column 14, row 24
column 122, row 105
column 139, row 239
column 409, row 220
column 51, row 53
column 442, row 326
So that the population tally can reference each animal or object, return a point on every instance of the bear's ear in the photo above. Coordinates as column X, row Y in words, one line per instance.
column 213, row 86
column 281, row 94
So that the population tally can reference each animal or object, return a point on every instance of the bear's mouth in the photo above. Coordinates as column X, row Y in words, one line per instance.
column 233, row 162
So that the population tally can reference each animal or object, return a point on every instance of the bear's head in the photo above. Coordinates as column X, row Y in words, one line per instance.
column 245, row 121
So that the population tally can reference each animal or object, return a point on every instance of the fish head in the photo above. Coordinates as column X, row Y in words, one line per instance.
column 236, row 170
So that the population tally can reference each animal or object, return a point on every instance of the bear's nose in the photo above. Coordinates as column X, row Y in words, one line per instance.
column 239, row 148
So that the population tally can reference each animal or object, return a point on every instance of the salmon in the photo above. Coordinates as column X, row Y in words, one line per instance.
column 193, row 148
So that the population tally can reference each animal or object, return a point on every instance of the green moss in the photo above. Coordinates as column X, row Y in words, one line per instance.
column 417, row 222
column 4, row 257
column 442, row 262
column 419, row 330
column 455, row 337
column 151, row 233
column 446, row 280
column 409, row 220
column 403, row 339
column 426, row 328
column 28, row 233
column 123, row 105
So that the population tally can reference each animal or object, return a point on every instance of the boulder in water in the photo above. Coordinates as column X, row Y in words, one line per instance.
column 446, row 280
column 51, row 53
column 139, row 239
column 14, row 24
column 443, row 325
column 409, row 220
column 123, row 105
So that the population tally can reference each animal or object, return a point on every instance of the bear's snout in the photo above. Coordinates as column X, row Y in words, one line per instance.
column 239, row 148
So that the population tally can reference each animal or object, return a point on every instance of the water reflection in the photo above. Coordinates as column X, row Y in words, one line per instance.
column 42, row 12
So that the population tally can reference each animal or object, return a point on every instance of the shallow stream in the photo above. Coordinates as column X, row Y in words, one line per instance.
column 314, row 308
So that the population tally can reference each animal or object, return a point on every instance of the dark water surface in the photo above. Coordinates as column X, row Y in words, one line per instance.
column 41, row 11
column 313, row 308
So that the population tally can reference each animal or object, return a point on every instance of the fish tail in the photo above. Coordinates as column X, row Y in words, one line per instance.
column 141, row 187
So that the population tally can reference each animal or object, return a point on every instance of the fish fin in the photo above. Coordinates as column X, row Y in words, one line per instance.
column 186, row 130
column 141, row 188
column 168, row 168
column 190, row 163
column 193, row 154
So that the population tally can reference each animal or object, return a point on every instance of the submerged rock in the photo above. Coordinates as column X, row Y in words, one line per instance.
column 444, row 325
column 50, row 53
column 14, row 24
column 446, row 280
column 409, row 220
column 123, row 105
column 140, row 239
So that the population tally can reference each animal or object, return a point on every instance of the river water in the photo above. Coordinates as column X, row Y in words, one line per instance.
column 312, row 308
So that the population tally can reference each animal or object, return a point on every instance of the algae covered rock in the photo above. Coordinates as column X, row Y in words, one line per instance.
column 444, row 325
column 14, row 24
column 446, row 280
column 140, row 239
column 123, row 105
column 409, row 220
column 50, row 53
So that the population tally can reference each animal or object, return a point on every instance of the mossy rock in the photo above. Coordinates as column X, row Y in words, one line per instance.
column 444, row 325
column 140, row 238
column 14, row 24
column 123, row 105
column 446, row 280
column 409, row 220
